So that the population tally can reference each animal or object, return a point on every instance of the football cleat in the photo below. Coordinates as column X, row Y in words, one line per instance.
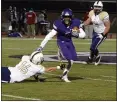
column 36, row 77
column 97, row 60
column 64, row 78
column 90, row 60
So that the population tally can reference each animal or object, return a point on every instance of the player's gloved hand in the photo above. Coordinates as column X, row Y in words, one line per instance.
column 61, row 66
column 39, row 49
column 104, row 35
column 101, row 35
column 75, row 34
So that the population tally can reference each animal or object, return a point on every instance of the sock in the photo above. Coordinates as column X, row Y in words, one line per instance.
column 65, row 72
column 96, row 52
column 91, row 54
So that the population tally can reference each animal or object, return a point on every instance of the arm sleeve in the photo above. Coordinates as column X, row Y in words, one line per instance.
column 41, row 69
column 48, row 37
column 82, row 34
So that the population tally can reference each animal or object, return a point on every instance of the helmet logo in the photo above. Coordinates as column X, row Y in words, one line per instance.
column 66, row 14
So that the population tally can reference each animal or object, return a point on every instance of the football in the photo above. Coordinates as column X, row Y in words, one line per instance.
column 75, row 29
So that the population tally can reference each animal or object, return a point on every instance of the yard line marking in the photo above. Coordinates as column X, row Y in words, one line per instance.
column 12, row 96
column 107, row 76
column 84, row 78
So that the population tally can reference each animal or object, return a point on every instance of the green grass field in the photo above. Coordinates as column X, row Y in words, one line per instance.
column 89, row 82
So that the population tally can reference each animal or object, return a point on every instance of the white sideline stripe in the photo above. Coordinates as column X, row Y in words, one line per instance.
column 84, row 78
column 12, row 96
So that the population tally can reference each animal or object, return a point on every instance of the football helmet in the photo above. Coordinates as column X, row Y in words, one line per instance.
column 98, row 6
column 67, row 16
column 36, row 58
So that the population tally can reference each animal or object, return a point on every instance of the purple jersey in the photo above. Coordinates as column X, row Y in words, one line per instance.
column 61, row 28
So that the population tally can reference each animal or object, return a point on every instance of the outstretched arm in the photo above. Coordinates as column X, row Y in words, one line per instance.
column 47, row 38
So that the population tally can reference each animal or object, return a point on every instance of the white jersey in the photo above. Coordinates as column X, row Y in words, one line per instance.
column 98, row 20
column 24, row 70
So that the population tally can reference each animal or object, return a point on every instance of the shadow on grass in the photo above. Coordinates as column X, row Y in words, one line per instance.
column 47, row 79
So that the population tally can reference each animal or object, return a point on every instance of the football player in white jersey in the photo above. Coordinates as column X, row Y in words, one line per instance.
column 27, row 67
column 101, row 27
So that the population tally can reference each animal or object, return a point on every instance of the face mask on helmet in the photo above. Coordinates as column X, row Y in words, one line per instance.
column 98, row 6
column 36, row 58
column 67, row 20
column 67, row 16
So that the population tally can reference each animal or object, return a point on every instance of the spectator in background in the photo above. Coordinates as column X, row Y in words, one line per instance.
column 14, row 20
column 43, row 24
column 21, row 21
column 31, row 20
column 88, row 28
column 8, row 13
column 9, row 16
column 39, row 20
column 45, row 14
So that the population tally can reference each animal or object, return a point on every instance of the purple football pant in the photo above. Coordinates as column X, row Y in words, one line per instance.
column 67, row 50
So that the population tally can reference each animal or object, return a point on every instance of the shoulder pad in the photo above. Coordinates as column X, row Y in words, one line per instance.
column 103, row 14
column 91, row 13
column 56, row 24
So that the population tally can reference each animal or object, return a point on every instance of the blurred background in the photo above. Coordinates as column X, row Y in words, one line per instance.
column 53, row 8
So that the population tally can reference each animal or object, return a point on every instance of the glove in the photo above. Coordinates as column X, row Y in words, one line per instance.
column 68, row 33
column 104, row 35
column 39, row 49
column 75, row 34
column 101, row 35
column 61, row 66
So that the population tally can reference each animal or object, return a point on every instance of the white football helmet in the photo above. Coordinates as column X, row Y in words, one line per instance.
column 98, row 6
column 36, row 58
